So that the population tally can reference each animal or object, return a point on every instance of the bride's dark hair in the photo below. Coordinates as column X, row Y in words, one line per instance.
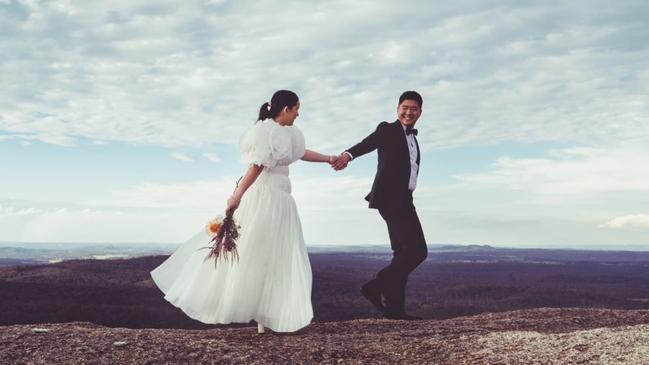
column 280, row 99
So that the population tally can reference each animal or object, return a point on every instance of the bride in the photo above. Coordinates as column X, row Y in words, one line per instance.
column 271, row 282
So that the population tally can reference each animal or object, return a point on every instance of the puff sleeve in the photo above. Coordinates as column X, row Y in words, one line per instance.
column 266, row 144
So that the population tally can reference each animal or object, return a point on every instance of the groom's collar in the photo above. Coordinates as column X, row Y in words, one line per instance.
column 403, row 126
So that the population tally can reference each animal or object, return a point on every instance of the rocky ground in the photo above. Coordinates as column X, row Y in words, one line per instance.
column 538, row 336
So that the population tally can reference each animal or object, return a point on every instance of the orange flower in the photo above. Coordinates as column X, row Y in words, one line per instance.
column 213, row 226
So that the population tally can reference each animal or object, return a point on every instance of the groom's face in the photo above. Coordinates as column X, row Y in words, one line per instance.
column 408, row 112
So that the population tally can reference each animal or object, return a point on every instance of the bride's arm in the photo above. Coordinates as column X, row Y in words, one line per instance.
column 312, row 156
column 251, row 175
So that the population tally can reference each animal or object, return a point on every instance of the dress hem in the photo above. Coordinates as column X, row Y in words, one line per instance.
column 202, row 319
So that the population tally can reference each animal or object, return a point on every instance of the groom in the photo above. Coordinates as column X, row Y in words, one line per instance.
column 395, row 180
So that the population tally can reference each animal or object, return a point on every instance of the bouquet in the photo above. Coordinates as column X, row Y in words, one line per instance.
column 224, row 233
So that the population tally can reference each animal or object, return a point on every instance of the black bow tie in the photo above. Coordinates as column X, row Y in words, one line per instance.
column 411, row 131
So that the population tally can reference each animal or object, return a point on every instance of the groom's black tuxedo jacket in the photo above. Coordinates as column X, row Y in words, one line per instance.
column 393, row 171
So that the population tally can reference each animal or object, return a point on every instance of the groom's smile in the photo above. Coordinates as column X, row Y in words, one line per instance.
column 408, row 112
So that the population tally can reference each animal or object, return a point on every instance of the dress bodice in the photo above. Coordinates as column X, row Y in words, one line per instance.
column 272, row 145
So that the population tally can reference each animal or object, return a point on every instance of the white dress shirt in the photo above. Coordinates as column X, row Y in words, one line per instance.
column 414, row 168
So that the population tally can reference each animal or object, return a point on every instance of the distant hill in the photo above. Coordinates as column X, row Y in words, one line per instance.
column 38, row 253
column 58, row 252
column 386, row 248
column 460, row 248
column 120, row 292
column 17, row 262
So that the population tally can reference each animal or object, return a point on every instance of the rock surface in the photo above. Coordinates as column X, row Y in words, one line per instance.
column 538, row 336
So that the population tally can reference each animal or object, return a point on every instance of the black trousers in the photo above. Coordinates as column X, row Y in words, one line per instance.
column 409, row 250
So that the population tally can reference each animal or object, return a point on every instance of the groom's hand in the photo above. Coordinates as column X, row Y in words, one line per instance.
column 341, row 162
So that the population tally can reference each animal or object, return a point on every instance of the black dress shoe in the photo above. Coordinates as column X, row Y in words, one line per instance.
column 373, row 295
column 401, row 316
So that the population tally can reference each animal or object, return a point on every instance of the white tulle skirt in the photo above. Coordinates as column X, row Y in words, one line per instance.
column 271, row 283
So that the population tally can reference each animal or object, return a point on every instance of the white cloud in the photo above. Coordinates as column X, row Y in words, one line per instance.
column 55, row 139
column 628, row 221
column 572, row 173
column 9, row 211
column 323, row 203
column 332, row 209
column 202, row 195
column 181, row 157
column 59, row 140
column 147, row 212
column 212, row 157
column 91, row 225
column 195, row 74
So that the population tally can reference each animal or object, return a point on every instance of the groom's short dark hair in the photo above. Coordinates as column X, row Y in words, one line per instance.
column 411, row 95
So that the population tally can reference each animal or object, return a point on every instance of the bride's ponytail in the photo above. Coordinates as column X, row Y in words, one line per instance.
column 264, row 111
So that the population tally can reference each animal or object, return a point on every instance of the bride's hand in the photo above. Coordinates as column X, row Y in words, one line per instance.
column 233, row 204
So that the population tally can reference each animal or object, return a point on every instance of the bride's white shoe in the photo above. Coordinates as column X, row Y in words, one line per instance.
column 260, row 328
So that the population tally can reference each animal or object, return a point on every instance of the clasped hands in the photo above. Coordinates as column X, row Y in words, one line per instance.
column 339, row 162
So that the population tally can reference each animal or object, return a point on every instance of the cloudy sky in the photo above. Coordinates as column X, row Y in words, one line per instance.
column 120, row 121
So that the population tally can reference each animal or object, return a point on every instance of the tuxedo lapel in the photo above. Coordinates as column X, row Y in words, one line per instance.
column 418, row 153
column 402, row 143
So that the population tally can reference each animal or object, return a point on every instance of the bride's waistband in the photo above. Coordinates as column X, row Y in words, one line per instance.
column 275, row 179
column 282, row 170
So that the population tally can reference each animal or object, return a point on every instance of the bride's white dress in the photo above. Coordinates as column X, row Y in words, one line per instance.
column 271, row 283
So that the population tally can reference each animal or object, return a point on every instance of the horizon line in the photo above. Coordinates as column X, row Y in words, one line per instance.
column 625, row 248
